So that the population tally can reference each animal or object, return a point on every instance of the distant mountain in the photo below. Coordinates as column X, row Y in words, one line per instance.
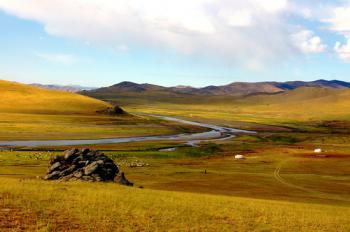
column 66, row 88
column 127, row 88
column 233, row 89
column 239, row 88
column 318, row 83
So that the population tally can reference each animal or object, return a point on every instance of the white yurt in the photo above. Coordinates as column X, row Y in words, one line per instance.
column 238, row 156
column 318, row 150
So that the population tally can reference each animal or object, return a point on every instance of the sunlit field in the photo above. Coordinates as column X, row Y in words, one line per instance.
column 303, row 108
column 47, row 206
column 281, row 185
column 30, row 113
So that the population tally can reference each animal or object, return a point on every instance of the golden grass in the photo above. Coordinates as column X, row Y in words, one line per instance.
column 110, row 207
column 302, row 105
column 32, row 113
column 20, row 98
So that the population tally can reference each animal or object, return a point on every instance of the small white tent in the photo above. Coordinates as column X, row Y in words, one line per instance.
column 239, row 157
column 318, row 150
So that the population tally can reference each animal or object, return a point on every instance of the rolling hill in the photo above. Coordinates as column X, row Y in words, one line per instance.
column 21, row 98
column 31, row 113
column 66, row 88
column 234, row 89
column 295, row 108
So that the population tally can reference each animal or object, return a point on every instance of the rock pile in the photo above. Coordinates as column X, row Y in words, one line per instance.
column 82, row 164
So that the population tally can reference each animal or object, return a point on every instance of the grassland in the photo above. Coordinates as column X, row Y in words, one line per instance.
column 107, row 207
column 305, row 108
column 29, row 113
column 281, row 185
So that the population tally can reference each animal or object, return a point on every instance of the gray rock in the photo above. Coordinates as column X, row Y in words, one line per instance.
column 69, row 170
column 96, row 177
column 67, row 177
column 78, row 174
column 77, row 160
column 91, row 168
column 70, row 154
column 85, row 151
column 54, row 167
column 124, row 181
column 100, row 162
column 84, row 165
column 55, row 159
column 53, row 176
column 87, row 178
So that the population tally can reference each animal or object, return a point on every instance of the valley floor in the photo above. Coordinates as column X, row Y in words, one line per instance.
column 25, row 126
column 280, row 186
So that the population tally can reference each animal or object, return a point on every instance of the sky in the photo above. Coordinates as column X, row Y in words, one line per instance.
column 198, row 42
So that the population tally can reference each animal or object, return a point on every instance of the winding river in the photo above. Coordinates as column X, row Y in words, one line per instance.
column 216, row 133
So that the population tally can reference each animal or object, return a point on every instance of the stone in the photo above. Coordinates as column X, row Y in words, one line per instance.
column 86, row 165
column 69, row 170
column 77, row 160
column 54, row 167
column 124, row 181
column 78, row 174
column 87, row 178
column 53, row 176
column 96, row 177
column 91, row 168
column 55, row 159
column 70, row 154
column 85, row 151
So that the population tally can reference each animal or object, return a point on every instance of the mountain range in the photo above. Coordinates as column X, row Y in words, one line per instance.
column 233, row 89
column 65, row 88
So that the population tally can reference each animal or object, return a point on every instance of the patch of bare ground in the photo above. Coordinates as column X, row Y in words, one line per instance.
column 16, row 219
column 323, row 155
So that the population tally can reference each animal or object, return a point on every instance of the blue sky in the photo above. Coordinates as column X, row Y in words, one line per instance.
column 205, row 42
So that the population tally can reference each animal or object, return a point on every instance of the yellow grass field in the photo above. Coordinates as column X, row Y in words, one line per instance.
column 107, row 207
column 296, row 108
column 281, row 185
column 29, row 113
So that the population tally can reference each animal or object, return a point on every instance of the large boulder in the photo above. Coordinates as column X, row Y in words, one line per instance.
column 82, row 164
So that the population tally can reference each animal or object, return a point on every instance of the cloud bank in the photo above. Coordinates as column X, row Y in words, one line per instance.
column 340, row 23
column 250, row 32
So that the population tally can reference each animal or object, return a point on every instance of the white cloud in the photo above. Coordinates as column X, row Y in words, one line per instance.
column 251, row 32
column 66, row 59
column 340, row 20
column 343, row 51
column 307, row 42
column 236, row 19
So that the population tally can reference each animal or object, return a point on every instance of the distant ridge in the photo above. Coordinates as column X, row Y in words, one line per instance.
column 233, row 89
column 66, row 88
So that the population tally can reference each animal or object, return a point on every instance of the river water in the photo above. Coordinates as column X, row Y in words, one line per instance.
column 216, row 133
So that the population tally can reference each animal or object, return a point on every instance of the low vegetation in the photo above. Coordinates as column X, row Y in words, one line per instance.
column 281, row 185
column 302, row 108
column 29, row 113
column 109, row 207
